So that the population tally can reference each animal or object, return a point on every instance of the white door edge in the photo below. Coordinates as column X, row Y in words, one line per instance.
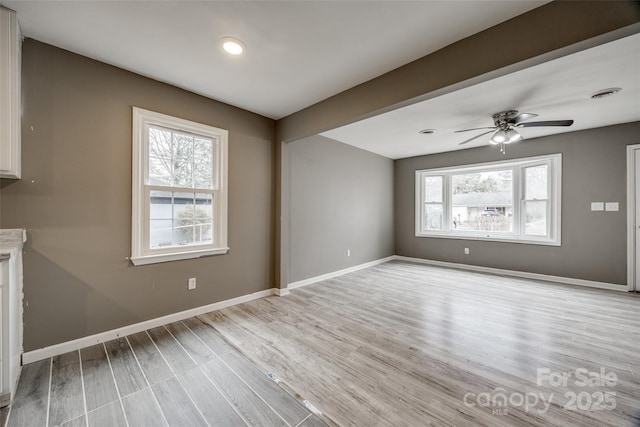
column 633, row 214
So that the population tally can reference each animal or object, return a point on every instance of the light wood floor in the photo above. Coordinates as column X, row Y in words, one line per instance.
column 402, row 344
column 183, row 374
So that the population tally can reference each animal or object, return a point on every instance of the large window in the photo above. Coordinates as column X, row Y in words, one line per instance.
column 515, row 200
column 179, row 189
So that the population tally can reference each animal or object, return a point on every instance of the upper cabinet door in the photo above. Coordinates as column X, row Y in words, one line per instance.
column 10, row 43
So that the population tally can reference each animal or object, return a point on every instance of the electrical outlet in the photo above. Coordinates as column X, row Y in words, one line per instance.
column 466, row 251
column 612, row 206
column 192, row 283
column 348, row 252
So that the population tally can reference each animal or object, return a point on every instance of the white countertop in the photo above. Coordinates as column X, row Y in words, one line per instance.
column 12, row 238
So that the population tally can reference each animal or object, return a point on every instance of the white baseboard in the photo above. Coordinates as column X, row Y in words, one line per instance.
column 57, row 349
column 333, row 274
column 281, row 292
column 520, row 274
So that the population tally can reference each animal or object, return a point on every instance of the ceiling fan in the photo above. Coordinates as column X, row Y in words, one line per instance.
column 505, row 122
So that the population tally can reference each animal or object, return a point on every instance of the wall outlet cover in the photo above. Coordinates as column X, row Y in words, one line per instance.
column 612, row 206
column 597, row 206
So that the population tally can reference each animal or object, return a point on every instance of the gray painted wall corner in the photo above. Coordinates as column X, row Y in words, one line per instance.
column 341, row 198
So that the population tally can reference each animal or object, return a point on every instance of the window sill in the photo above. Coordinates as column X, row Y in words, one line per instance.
column 158, row 258
column 504, row 239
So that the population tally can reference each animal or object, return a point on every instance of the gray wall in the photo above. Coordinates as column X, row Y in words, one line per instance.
column 75, row 200
column 341, row 198
column 593, row 243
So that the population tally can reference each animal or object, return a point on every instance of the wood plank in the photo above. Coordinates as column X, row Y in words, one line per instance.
column 110, row 415
column 176, row 405
column 216, row 410
column 395, row 344
column 401, row 344
column 173, row 353
column 153, row 364
column 141, row 409
column 282, row 402
column 312, row 421
column 67, row 400
column 210, row 337
column 254, row 411
column 198, row 351
column 99, row 385
column 76, row 422
column 129, row 377
column 30, row 404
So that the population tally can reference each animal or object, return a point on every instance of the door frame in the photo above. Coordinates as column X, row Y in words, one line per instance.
column 633, row 171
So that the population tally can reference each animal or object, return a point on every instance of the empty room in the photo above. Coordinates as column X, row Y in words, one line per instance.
column 319, row 213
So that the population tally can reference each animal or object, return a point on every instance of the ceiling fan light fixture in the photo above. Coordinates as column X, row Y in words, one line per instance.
column 512, row 136
column 505, row 136
column 500, row 137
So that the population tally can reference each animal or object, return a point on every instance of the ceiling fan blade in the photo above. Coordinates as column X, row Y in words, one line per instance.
column 477, row 136
column 547, row 123
column 467, row 130
column 521, row 118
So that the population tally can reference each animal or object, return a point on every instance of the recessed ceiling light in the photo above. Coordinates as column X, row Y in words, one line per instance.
column 605, row 92
column 427, row 131
column 232, row 45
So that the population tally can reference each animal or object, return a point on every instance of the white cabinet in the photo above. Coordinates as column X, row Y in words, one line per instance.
column 11, row 242
column 10, row 48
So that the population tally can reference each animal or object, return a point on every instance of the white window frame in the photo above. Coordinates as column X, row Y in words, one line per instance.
column 518, row 166
column 141, row 252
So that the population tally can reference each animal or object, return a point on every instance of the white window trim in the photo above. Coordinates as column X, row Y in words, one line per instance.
column 554, row 207
column 141, row 254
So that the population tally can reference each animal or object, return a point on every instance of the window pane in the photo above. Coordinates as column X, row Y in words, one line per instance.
column 482, row 201
column 183, row 231
column 160, row 205
column 432, row 217
column 159, row 165
column 203, row 163
column 159, row 171
column 202, row 175
column 433, row 189
column 203, row 218
column 535, row 213
column 183, row 147
column 183, row 174
column 183, row 205
column 179, row 218
column 159, row 143
column 204, row 205
column 202, row 230
column 160, row 233
column 536, row 183
column 202, row 150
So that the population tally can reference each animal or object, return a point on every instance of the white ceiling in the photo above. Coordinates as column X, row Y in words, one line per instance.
column 298, row 52
column 555, row 90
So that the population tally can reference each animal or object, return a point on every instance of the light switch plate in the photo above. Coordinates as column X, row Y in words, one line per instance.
column 612, row 206
column 597, row 206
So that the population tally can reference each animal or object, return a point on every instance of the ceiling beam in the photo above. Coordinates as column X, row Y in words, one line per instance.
column 501, row 49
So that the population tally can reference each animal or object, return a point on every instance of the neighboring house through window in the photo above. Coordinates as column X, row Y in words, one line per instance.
column 514, row 200
column 179, row 192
